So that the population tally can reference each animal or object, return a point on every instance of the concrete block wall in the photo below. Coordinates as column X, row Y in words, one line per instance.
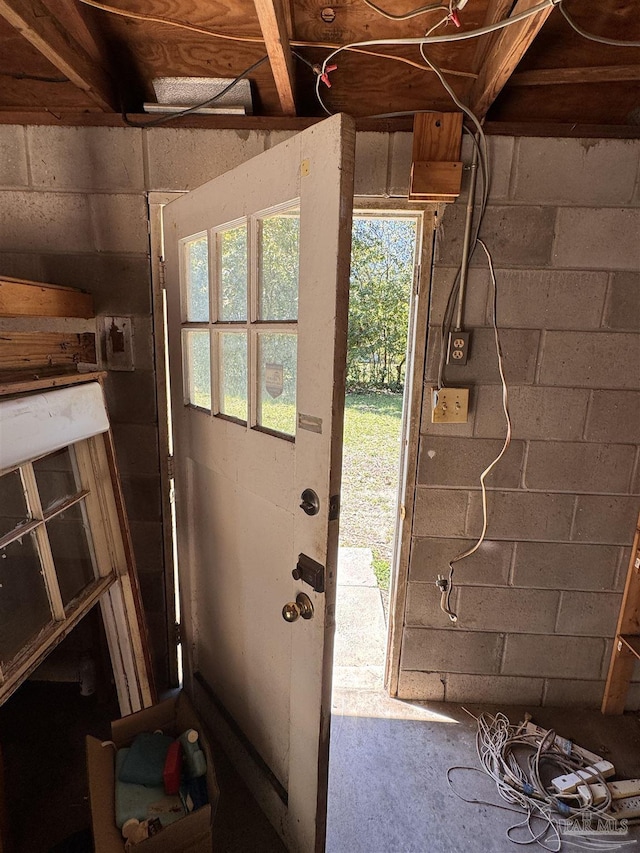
column 73, row 211
column 538, row 603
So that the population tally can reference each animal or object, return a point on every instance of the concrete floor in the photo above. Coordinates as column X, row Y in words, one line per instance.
column 388, row 791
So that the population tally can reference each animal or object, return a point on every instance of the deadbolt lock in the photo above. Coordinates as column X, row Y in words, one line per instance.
column 302, row 606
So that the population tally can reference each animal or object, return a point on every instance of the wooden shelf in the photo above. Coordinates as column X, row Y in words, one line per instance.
column 626, row 648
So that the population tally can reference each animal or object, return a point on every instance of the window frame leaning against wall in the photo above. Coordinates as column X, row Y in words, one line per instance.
column 113, row 585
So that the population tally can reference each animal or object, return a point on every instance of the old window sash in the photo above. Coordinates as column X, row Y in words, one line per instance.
column 97, row 495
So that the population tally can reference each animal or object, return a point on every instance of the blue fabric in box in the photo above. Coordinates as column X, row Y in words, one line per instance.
column 143, row 801
column 144, row 762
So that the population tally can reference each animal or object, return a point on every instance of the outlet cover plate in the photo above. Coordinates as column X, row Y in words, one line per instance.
column 450, row 406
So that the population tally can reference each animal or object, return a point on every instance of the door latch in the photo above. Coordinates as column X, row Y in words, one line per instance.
column 310, row 572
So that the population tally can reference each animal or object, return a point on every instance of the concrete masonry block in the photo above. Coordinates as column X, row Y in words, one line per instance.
column 451, row 651
column 588, row 614
column 131, row 397
column 550, row 299
column 579, row 467
column 120, row 284
column 13, row 156
column 623, row 568
column 86, row 158
column 440, row 512
column 613, row 416
column 566, row 566
column 276, row 137
column 572, row 693
column 22, row 265
column 553, row 656
column 515, row 235
column 605, row 519
column 152, row 589
column 519, row 348
column 501, row 150
column 372, row 154
column 445, row 461
column 522, row 515
column 142, row 497
column 119, row 223
column 521, row 611
column 597, row 238
column 148, row 546
column 421, row 686
column 590, row 360
column 400, row 152
column 576, row 171
column 475, row 309
column 423, row 608
column 143, row 343
column 182, row 159
column 622, row 309
column 43, row 221
column 494, row 690
column 489, row 566
column 137, row 449
column 536, row 411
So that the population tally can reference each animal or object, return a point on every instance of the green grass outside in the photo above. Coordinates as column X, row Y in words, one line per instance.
column 371, row 458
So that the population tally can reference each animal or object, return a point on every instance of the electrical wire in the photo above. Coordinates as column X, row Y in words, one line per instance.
column 195, row 107
column 195, row 28
column 21, row 75
column 507, row 441
column 514, row 759
column 405, row 16
column 592, row 36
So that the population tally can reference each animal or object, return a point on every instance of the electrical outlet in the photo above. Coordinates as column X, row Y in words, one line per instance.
column 450, row 406
column 626, row 809
column 458, row 348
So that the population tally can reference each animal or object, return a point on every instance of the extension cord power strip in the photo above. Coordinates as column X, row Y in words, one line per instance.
column 568, row 783
column 625, row 809
column 563, row 744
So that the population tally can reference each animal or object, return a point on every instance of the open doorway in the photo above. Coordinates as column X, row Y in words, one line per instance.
column 384, row 257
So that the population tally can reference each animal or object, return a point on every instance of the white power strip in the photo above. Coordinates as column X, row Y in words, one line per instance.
column 624, row 788
column 625, row 809
column 563, row 743
column 592, row 795
column 568, row 784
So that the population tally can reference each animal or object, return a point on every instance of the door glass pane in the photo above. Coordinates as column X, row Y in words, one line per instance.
column 232, row 254
column 233, row 374
column 13, row 506
column 196, row 262
column 24, row 604
column 277, row 360
column 68, row 537
column 55, row 478
column 279, row 254
column 198, row 367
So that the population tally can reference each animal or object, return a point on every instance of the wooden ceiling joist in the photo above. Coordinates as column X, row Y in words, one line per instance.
column 50, row 37
column 559, row 76
column 505, row 51
column 273, row 23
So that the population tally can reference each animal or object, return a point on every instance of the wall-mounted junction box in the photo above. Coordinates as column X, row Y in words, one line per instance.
column 450, row 406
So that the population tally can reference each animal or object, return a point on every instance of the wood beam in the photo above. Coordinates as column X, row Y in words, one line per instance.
column 273, row 23
column 505, row 52
column 562, row 76
column 48, row 35
column 496, row 11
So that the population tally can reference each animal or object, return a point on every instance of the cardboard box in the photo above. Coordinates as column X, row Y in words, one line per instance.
column 190, row 834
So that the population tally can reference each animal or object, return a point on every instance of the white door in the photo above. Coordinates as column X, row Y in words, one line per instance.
column 257, row 272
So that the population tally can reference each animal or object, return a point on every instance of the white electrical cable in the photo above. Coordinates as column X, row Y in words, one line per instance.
column 513, row 759
column 591, row 36
column 446, row 584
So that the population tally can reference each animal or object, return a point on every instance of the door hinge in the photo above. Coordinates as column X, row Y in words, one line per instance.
column 162, row 273
column 171, row 467
column 177, row 633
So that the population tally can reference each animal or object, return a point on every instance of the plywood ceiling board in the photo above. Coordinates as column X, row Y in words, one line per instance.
column 593, row 103
column 37, row 24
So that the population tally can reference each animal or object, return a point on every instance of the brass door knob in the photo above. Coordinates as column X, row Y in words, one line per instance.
column 302, row 606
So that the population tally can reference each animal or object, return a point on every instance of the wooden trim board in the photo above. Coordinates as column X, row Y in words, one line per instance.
column 19, row 298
